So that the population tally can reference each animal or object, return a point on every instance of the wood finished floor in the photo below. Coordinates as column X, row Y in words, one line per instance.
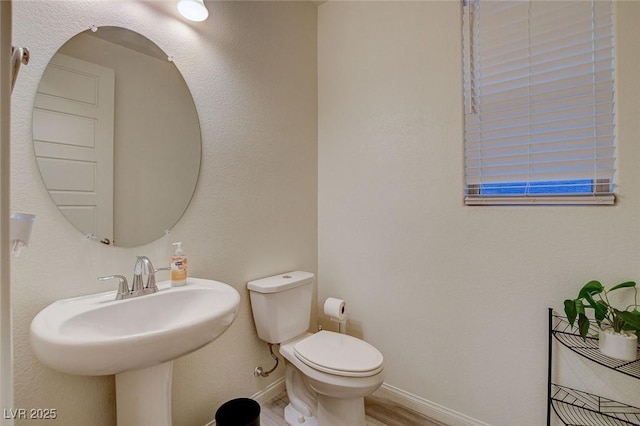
column 379, row 411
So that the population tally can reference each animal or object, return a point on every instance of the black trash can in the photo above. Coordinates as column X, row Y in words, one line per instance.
column 238, row 412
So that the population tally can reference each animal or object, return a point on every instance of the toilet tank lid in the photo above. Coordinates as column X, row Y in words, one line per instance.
column 281, row 282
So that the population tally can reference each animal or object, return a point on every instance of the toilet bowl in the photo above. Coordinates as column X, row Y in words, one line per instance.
column 338, row 370
column 327, row 374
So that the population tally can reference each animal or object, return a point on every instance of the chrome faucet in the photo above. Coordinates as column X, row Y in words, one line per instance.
column 138, row 288
column 144, row 265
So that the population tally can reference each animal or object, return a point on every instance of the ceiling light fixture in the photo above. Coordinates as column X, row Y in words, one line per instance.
column 193, row 10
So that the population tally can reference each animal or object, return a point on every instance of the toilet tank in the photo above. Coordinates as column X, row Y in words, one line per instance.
column 281, row 305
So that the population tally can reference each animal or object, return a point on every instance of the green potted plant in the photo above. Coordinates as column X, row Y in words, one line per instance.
column 619, row 328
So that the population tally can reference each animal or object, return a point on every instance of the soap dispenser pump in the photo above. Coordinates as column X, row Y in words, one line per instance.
column 178, row 266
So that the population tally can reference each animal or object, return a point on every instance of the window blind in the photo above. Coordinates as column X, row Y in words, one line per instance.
column 539, row 102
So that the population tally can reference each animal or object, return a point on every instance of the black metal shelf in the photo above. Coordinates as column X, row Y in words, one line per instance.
column 578, row 408
column 588, row 347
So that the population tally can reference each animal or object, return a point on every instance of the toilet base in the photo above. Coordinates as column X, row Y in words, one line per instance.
column 331, row 412
column 294, row 418
column 340, row 412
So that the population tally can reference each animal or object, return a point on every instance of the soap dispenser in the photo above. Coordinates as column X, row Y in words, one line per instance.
column 178, row 266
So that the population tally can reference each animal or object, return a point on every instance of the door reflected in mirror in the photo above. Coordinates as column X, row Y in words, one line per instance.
column 116, row 136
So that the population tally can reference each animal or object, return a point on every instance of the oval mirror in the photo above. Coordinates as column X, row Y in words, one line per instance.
column 116, row 136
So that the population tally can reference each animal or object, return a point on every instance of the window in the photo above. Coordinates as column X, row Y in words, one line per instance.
column 539, row 102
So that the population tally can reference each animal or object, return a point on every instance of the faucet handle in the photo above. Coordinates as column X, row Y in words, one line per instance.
column 151, row 286
column 123, row 285
column 166, row 268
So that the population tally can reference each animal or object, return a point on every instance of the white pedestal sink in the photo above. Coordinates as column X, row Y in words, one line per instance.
column 136, row 339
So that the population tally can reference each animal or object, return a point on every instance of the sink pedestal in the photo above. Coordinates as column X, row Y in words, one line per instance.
column 143, row 397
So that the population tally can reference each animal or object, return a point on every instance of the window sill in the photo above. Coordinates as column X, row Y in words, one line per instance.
column 542, row 200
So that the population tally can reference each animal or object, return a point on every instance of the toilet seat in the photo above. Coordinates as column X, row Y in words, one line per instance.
column 339, row 354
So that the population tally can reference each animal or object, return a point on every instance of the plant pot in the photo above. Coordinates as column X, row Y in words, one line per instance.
column 623, row 346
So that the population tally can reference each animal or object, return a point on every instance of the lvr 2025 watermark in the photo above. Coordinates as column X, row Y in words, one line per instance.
column 30, row 413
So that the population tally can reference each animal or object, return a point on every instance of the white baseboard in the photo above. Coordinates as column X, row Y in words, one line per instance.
column 392, row 393
column 270, row 392
column 425, row 407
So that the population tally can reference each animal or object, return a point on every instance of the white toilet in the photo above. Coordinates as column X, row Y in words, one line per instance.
column 327, row 374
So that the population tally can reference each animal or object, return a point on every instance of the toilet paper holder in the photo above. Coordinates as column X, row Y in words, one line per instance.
column 342, row 324
column 335, row 309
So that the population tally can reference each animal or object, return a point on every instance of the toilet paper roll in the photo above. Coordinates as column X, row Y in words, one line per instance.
column 334, row 308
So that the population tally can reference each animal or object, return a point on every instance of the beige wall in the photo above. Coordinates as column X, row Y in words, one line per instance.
column 455, row 297
column 252, row 70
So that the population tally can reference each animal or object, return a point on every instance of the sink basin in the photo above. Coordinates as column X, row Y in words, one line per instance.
column 97, row 335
